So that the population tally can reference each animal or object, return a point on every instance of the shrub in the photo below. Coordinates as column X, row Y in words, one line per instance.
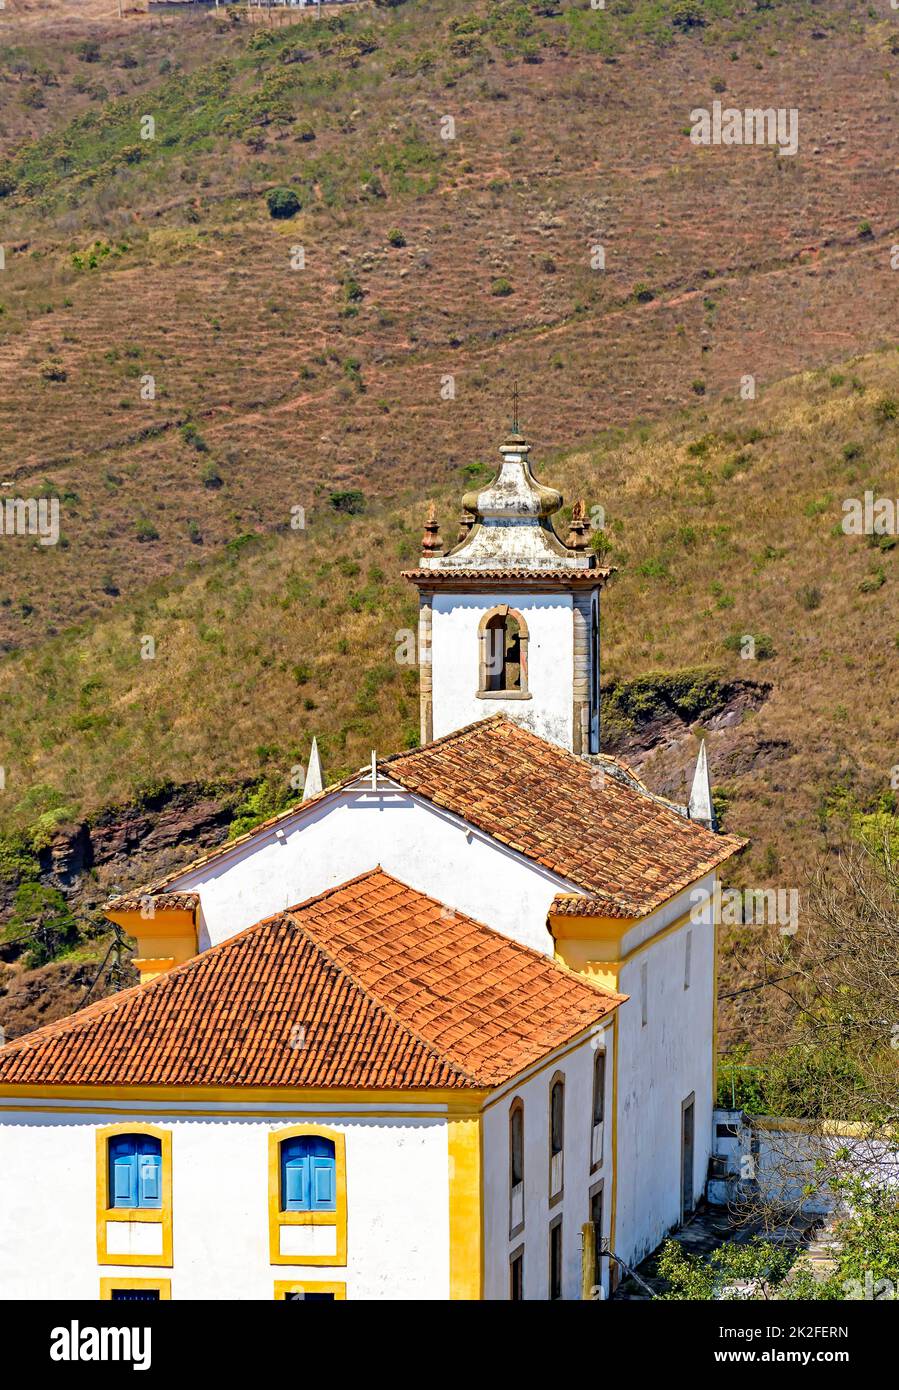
column 351, row 502
column 886, row 409
column 42, row 918
column 687, row 14
column 191, row 435
column 395, row 237
column 501, row 287
column 211, row 476
column 643, row 294
column 88, row 51
column 352, row 291
column 282, row 202
column 145, row 530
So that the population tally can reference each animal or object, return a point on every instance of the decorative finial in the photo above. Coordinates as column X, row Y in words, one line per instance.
column 315, row 779
column 431, row 544
column 515, row 407
column 466, row 521
column 579, row 527
column 701, row 806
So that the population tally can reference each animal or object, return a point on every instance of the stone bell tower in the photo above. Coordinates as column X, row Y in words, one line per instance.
column 509, row 617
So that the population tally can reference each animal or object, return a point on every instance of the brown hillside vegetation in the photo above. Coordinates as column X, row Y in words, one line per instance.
column 427, row 259
column 274, row 386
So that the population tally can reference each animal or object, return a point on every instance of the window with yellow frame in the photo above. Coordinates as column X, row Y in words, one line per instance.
column 315, row 1291
column 307, row 1189
column 138, row 1290
column 134, row 1189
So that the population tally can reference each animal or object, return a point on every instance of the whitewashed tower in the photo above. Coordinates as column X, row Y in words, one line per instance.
column 509, row 617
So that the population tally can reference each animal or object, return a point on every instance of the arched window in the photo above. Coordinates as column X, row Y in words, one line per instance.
column 135, row 1171
column 308, row 1174
column 503, row 661
column 516, row 1167
column 556, row 1136
column 599, row 1107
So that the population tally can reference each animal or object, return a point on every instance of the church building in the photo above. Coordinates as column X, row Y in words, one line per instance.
column 445, row 1030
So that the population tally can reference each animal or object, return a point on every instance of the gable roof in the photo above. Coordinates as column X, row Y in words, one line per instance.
column 590, row 822
column 371, row 984
column 624, row 849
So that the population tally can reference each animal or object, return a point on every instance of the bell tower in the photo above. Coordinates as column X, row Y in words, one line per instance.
column 509, row 616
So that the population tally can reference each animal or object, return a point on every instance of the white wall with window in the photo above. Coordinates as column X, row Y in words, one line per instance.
column 56, row 1175
column 457, row 650
column 662, row 1062
column 518, row 1146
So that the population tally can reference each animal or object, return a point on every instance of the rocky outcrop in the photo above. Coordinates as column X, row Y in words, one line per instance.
column 124, row 846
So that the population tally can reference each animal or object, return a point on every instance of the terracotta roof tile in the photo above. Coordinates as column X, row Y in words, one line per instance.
column 390, row 988
column 159, row 902
column 623, row 848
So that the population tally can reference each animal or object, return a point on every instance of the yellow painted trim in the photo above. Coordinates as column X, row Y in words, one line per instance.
column 465, row 1208
column 285, row 1286
column 613, row 1205
column 278, row 1218
column 224, row 1114
column 603, row 952
column 462, row 1099
column 163, row 1285
column 584, row 928
column 154, row 1215
column 165, row 939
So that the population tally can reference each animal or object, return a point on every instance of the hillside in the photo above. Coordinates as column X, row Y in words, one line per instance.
column 279, row 388
column 131, row 258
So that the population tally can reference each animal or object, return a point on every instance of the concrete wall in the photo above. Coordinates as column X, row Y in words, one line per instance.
column 397, row 1207
column 660, row 1065
column 455, row 657
column 787, row 1159
column 349, row 833
column 574, row 1207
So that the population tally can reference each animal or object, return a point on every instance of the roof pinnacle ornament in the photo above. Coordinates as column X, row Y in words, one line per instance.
column 579, row 526
column 431, row 543
column 466, row 521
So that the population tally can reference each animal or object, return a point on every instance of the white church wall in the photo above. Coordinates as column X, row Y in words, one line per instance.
column 455, row 658
column 347, row 834
column 574, row 1207
column 397, row 1207
column 661, row 1063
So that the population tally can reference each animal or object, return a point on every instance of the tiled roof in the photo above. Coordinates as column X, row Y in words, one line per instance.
column 159, row 902
column 579, row 818
column 371, row 984
column 627, row 850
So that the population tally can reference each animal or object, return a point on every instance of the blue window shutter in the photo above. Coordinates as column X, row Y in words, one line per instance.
column 135, row 1171
column 308, row 1174
column 123, row 1173
column 294, row 1176
column 324, row 1184
column 149, row 1176
column 296, row 1184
